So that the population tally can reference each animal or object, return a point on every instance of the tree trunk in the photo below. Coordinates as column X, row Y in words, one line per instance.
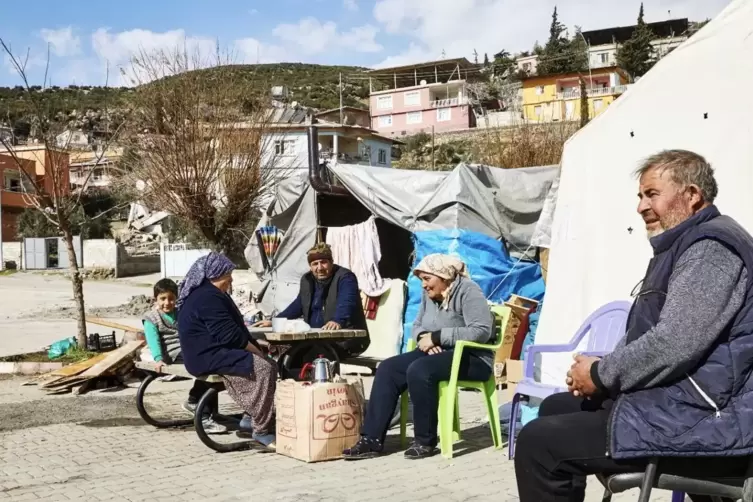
column 78, row 285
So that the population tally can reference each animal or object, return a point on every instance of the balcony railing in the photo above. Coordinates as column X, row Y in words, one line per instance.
column 444, row 103
column 594, row 93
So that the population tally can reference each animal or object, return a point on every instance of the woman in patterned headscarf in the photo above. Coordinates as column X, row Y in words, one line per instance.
column 214, row 340
column 453, row 308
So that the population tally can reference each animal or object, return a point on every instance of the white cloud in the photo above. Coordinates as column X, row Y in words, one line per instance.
column 119, row 48
column 250, row 50
column 460, row 26
column 350, row 5
column 311, row 36
column 63, row 42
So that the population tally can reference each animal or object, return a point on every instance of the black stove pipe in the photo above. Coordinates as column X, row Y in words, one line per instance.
column 318, row 177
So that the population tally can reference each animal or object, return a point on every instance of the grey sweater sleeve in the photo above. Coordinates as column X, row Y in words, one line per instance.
column 476, row 316
column 706, row 290
column 417, row 323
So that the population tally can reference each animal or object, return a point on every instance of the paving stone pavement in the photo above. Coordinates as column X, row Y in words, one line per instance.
column 122, row 460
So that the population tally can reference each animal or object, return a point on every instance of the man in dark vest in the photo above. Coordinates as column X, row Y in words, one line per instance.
column 329, row 299
column 678, row 384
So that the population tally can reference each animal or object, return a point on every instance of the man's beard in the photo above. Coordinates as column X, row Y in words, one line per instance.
column 670, row 220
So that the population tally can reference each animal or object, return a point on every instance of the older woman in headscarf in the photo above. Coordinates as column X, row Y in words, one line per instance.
column 453, row 308
column 215, row 340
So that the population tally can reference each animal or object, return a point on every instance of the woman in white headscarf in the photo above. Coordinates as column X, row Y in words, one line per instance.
column 453, row 308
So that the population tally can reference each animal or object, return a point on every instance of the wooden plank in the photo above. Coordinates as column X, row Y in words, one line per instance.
column 75, row 369
column 315, row 335
column 175, row 369
column 110, row 324
column 113, row 359
column 65, row 383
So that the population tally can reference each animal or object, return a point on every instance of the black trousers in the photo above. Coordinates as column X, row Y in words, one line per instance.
column 420, row 373
column 568, row 442
column 198, row 390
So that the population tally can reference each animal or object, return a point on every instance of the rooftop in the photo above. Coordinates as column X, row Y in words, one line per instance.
column 621, row 34
column 440, row 63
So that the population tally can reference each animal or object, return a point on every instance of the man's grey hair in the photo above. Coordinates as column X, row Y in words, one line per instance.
column 686, row 168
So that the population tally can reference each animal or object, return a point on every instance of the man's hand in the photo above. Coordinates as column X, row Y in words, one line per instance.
column 254, row 350
column 159, row 365
column 435, row 350
column 424, row 342
column 331, row 326
column 578, row 379
column 262, row 324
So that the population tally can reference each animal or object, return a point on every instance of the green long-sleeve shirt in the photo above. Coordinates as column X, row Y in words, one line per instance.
column 153, row 340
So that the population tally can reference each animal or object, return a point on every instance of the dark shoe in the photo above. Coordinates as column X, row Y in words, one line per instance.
column 246, row 424
column 418, row 451
column 364, row 448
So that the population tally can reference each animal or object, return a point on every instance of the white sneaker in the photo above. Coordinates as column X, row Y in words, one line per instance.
column 212, row 427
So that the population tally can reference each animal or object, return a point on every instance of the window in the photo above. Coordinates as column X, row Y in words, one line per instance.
column 598, row 105
column 539, row 90
column 12, row 181
column 412, row 98
column 538, row 110
column 413, row 118
column 384, row 102
column 604, row 57
column 526, row 67
column 443, row 114
column 382, row 159
column 285, row 147
column 385, row 121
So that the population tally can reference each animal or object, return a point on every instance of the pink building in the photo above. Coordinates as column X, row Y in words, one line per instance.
column 423, row 97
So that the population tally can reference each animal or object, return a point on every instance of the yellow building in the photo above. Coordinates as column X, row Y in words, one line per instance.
column 554, row 98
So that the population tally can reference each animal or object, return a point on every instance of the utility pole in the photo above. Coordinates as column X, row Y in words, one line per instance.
column 432, row 148
column 341, row 98
column 588, row 60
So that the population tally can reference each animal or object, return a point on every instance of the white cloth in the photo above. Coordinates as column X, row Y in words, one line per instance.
column 356, row 247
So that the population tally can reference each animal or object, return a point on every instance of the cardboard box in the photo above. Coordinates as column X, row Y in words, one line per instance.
column 316, row 422
column 515, row 371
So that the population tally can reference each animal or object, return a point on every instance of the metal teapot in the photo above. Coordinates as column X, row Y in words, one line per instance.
column 323, row 369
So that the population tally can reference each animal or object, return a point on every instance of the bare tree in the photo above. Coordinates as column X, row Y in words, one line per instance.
column 206, row 148
column 50, row 193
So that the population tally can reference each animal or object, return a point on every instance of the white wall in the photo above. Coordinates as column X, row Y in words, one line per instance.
column 12, row 251
column 377, row 145
column 296, row 150
column 100, row 253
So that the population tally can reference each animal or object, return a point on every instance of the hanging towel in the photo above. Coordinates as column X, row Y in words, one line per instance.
column 356, row 247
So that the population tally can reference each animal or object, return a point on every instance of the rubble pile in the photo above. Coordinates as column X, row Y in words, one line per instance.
column 140, row 244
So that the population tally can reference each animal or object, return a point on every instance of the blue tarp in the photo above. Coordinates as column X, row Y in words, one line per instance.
column 488, row 263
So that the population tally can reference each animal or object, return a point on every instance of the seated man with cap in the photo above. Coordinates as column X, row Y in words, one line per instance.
column 328, row 299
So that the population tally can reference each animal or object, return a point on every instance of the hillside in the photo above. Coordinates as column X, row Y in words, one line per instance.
column 310, row 85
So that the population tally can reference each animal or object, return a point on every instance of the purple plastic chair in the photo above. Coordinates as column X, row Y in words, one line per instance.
column 605, row 328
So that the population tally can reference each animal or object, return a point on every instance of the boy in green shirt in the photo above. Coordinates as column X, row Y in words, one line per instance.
column 161, row 333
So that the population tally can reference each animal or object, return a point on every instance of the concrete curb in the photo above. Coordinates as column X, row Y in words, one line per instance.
column 28, row 368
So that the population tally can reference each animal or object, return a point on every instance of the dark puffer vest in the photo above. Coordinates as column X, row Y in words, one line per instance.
column 347, row 348
column 710, row 411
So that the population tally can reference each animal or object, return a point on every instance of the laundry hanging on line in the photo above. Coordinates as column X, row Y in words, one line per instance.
column 356, row 247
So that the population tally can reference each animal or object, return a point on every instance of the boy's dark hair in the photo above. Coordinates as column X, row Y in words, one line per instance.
column 165, row 286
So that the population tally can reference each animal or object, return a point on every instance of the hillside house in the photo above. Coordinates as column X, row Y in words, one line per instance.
column 287, row 140
column 424, row 97
column 603, row 43
column 13, row 194
column 555, row 98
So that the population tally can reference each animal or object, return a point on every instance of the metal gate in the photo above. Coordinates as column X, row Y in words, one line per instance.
column 176, row 259
column 42, row 253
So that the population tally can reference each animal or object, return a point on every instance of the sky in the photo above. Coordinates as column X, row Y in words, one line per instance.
column 90, row 42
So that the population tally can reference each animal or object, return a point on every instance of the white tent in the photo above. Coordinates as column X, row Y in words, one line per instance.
column 696, row 98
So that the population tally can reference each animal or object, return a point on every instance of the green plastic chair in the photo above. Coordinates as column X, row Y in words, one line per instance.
column 449, row 412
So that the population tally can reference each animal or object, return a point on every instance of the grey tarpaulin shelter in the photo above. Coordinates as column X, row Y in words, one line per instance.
column 502, row 204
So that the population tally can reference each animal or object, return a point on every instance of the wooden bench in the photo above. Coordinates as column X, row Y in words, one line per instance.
column 153, row 373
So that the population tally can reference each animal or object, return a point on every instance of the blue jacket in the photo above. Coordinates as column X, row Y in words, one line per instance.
column 705, row 413
column 213, row 335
